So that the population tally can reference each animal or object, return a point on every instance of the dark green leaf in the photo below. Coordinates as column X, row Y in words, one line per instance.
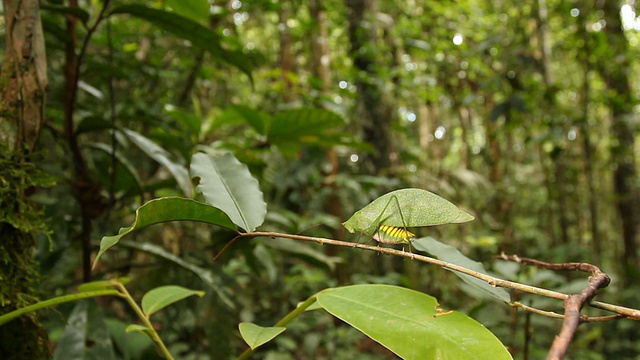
column 131, row 345
column 158, row 154
column 450, row 254
column 168, row 209
column 197, row 10
column 197, row 34
column 79, row 13
column 85, row 336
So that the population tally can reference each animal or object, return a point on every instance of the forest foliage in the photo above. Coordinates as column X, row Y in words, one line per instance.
column 204, row 158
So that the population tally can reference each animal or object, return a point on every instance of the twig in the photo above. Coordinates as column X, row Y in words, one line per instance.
column 633, row 314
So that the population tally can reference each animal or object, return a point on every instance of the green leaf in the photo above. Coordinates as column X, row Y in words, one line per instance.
column 137, row 328
column 131, row 345
column 227, row 184
column 406, row 208
column 85, row 336
column 168, row 209
column 451, row 255
column 160, row 155
column 185, row 28
column 99, row 285
column 257, row 119
column 197, row 10
column 189, row 121
column 290, row 129
column 255, row 335
column 163, row 296
column 411, row 324
column 127, row 174
column 77, row 12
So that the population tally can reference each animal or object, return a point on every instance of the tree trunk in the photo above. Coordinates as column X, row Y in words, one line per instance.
column 373, row 110
column 319, row 45
column 23, row 82
column 614, row 70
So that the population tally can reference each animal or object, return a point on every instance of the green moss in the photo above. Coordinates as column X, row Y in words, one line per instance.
column 23, row 338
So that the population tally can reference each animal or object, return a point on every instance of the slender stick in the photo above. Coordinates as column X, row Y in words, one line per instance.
column 629, row 313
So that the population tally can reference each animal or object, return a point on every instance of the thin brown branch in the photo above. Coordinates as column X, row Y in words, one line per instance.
column 621, row 311
column 85, row 189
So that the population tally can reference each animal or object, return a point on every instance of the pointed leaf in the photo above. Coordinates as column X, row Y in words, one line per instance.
column 227, row 184
column 197, row 34
column 450, row 254
column 255, row 335
column 411, row 324
column 160, row 155
column 168, row 209
column 85, row 336
column 163, row 296
column 406, row 208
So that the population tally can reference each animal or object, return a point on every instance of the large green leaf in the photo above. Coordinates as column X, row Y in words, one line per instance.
column 227, row 184
column 85, row 336
column 451, row 255
column 255, row 335
column 159, row 298
column 406, row 208
column 197, row 34
column 411, row 324
column 290, row 129
column 168, row 209
column 160, row 155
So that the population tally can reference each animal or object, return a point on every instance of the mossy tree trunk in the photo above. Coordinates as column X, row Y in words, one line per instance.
column 22, row 88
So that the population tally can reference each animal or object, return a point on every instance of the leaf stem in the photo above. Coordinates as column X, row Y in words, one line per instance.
column 56, row 301
column 145, row 320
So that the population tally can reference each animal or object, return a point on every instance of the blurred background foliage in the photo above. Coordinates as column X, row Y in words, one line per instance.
column 524, row 114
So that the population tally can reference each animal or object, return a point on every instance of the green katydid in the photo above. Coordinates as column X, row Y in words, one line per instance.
column 387, row 218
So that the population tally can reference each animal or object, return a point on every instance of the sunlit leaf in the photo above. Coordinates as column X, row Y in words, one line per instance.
column 168, row 209
column 411, row 324
column 159, row 298
column 406, row 208
column 255, row 335
column 451, row 255
column 227, row 184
